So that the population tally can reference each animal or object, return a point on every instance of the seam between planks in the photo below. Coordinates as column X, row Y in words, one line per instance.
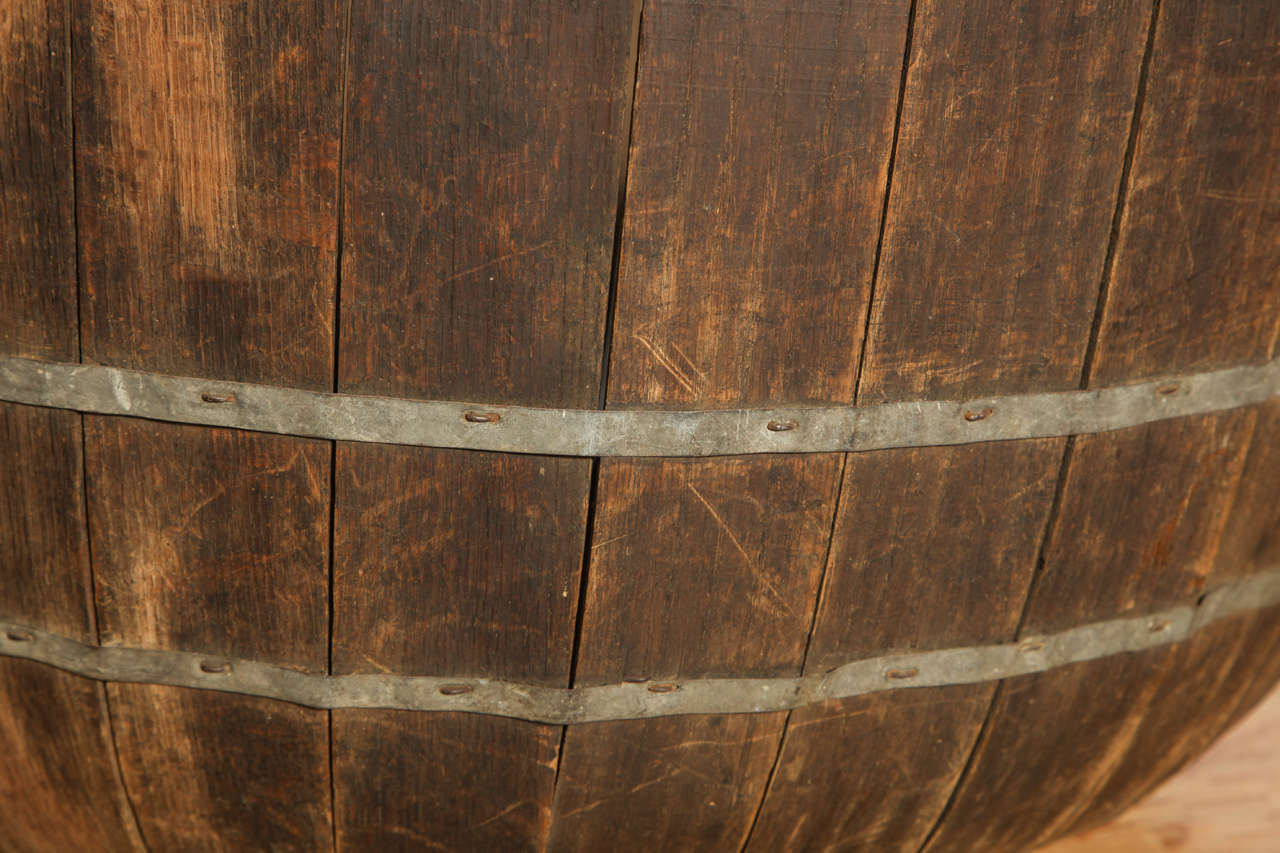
column 92, row 605
column 1086, row 371
column 857, row 385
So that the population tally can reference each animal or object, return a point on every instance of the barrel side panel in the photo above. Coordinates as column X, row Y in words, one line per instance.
column 58, row 775
column 1010, row 149
column 760, row 146
column 1193, row 287
column 206, row 155
column 483, row 157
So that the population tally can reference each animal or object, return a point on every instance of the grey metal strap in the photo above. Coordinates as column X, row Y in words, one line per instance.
column 651, row 699
column 576, row 432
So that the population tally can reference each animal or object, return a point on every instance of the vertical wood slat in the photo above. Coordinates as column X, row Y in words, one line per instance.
column 759, row 148
column 206, row 154
column 1203, row 165
column 484, row 149
column 1009, row 153
column 58, row 777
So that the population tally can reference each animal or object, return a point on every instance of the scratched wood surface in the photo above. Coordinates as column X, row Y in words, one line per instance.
column 652, row 203
column 997, row 97
column 760, row 143
column 59, row 783
column 206, row 163
column 483, row 157
column 1167, row 519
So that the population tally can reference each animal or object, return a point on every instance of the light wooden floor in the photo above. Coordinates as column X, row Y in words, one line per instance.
column 1227, row 801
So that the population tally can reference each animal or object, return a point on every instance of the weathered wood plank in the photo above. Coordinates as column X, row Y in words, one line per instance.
column 215, row 541
column 206, row 150
column 1010, row 151
column 37, row 243
column 996, row 230
column 484, row 151
column 760, row 145
column 1221, row 672
column 1194, row 153
column 1195, row 282
column 59, row 781
column 932, row 548
column 207, row 142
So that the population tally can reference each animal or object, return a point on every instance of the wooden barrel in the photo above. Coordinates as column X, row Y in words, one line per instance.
column 853, row 425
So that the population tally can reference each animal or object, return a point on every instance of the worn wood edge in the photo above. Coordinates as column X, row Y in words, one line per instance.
column 579, row 432
column 940, row 668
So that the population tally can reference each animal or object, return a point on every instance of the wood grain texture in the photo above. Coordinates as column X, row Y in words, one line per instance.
column 207, row 142
column 452, row 563
column 995, row 233
column 37, row 242
column 760, row 146
column 215, row 541
column 1182, row 146
column 206, row 152
column 1141, row 516
column 933, row 547
column 59, row 781
column 1197, row 275
column 484, row 152
column 1010, row 152
column 1219, row 673
column 672, row 536
column 760, row 143
column 1227, row 800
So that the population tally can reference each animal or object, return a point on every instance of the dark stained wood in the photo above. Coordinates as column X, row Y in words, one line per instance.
column 484, row 152
column 215, row 541
column 1221, row 672
column 869, row 773
column 452, row 563
column 37, row 242
column 933, row 548
column 1195, row 153
column 484, row 148
column 760, row 144
column 60, row 785
column 996, row 231
column 206, row 151
column 761, row 141
column 1009, row 157
column 699, row 568
column 207, row 139
column 443, row 781
column 705, row 567
column 215, row 771
column 1195, row 285
column 1141, row 516
column 59, row 782
column 210, row 540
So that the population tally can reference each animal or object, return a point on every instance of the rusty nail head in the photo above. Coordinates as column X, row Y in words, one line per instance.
column 481, row 417
column 214, row 667
column 902, row 674
column 214, row 397
column 456, row 689
column 20, row 636
column 1031, row 646
column 781, row 426
column 665, row 687
column 971, row 416
column 636, row 679
column 1170, row 388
